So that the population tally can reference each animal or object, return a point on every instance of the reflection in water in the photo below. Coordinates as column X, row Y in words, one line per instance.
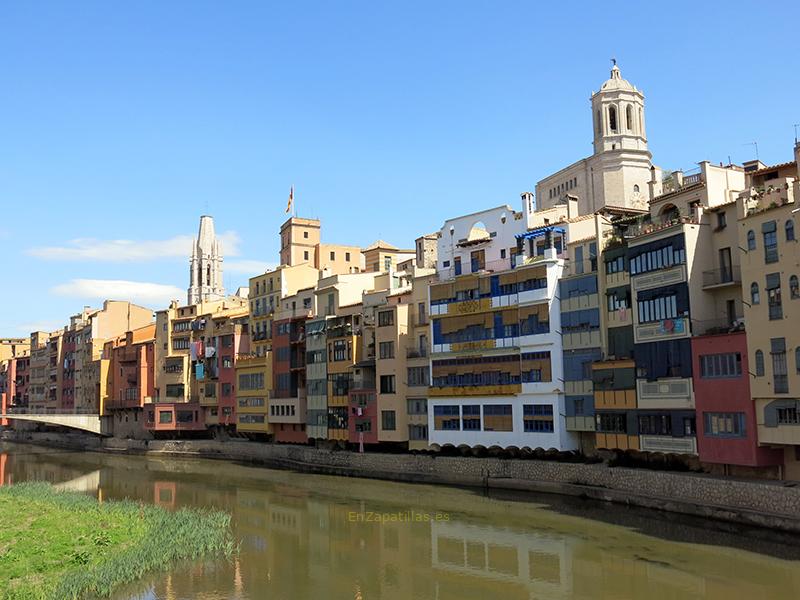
column 299, row 538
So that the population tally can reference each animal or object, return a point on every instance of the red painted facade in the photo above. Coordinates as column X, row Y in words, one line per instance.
column 362, row 423
column 131, row 372
column 293, row 433
column 174, row 416
column 727, row 395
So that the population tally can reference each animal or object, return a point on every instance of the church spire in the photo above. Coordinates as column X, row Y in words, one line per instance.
column 205, row 265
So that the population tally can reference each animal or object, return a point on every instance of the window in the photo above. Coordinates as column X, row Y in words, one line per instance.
column 797, row 359
column 724, row 424
column 446, row 418
column 722, row 220
column 611, row 423
column 388, row 420
column 774, row 296
column 658, row 309
column 387, row 263
column 347, row 256
column 612, row 118
column 655, row 259
column 755, row 298
column 759, row 363
column 788, row 416
column 251, row 381
column 794, row 288
column 305, row 235
column 180, row 343
column 164, row 416
column 502, row 252
column 387, row 384
column 789, row 228
column 497, row 417
column 386, row 349
column 628, row 118
column 418, row 376
column 578, row 260
column 385, row 318
column 471, row 417
column 751, row 240
column 227, row 362
column 537, row 418
column 615, row 265
column 417, row 406
column 770, row 242
column 227, row 389
column 305, row 254
column 720, row 365
column 780, row 378
column 333, row 255
column 655, row 425
column 340, row 350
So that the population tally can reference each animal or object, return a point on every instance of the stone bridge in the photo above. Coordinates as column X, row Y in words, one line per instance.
column 84, row 422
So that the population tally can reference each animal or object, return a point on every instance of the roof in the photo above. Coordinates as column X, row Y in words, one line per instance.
column 381, row 244
column 773, row 167
column 688, row 188
column 616, row 82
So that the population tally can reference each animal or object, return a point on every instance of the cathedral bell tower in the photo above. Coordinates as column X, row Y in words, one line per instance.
column 205, row 265
column 618, row 115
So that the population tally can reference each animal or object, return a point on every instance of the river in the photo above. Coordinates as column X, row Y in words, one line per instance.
column 321, row 537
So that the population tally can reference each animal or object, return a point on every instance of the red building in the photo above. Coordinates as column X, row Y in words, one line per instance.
column 362, row 422
column 287, row 403
column 131, row 379
column 726, row 418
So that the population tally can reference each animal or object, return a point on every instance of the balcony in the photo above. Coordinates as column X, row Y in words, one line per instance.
column 642, row 229
column 667, row 444
column 619, row 317
column 583, row 423
column 665, row 329
column 670, row 394
column 417, row 353
column 719, row 278
column 718, row 326
column 581, row 339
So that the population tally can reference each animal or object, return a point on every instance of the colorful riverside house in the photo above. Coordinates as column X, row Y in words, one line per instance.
column 496, row 354
column 288, row 397
column 768, row 233
column 131, row 380
column 667, row 252
column 253, row 386
column 184, row 335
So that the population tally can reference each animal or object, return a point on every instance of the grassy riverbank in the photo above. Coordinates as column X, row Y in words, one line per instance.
column 63, row 545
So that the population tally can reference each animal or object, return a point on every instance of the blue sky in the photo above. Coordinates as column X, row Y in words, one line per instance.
column 121, row 123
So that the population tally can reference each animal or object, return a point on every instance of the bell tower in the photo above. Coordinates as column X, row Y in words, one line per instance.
column 618, row 115
column 205, row 265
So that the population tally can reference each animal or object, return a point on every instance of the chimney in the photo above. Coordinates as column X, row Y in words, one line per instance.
column 572, row 206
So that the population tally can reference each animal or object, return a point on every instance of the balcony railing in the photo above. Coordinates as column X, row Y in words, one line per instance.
column 720, row 277
column 417, row 353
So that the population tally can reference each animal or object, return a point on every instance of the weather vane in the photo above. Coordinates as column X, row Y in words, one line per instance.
column 613, row 62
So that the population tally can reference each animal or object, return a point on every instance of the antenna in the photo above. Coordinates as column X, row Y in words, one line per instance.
column 753, row 144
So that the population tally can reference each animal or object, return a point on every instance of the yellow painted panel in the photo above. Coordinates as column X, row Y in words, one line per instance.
column 476, row 390
column 477, row 345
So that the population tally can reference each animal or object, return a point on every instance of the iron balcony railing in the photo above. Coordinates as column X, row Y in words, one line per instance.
column 724, row 276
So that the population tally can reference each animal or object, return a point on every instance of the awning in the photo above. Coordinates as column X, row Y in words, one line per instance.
column 540, row 232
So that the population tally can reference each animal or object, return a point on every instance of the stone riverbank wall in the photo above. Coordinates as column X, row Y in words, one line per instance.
column 768, row 504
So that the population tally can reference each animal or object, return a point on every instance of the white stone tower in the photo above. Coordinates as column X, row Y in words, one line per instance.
column 205, row 265
column 618, row 110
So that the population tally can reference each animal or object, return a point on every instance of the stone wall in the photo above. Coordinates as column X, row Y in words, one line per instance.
column 769, row 504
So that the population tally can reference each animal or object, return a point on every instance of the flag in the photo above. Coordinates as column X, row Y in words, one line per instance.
column 291, row 199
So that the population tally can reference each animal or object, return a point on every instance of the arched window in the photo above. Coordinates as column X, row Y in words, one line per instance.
column 789, row 230
column 629, row 118
column 636, row 188
column 599, row 124
column 751, row 240
column 759, row 363
column 208, row 275
column 755, row 298
column 612, row 118
column 794, row 287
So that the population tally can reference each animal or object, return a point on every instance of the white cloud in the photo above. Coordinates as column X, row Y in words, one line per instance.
column 148, row 294
column 247, row 267
column 90, row 249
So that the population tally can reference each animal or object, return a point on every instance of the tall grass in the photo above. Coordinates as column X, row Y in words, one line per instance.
column 130, row 540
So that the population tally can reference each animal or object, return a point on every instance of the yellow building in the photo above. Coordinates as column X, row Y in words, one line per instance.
column 770, row 264
column 253, row 386
column 266, row 292
column 383, row 256
column 301, row 243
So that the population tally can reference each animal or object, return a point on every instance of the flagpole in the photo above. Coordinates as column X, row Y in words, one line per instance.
column 294, row 203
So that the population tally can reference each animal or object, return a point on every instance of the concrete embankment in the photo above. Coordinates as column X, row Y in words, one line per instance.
column 767, row 504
